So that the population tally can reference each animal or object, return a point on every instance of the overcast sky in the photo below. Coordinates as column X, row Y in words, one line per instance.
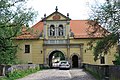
column 77, row 9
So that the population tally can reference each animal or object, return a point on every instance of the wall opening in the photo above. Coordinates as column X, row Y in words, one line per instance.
column 54, row 58
column 75, row 61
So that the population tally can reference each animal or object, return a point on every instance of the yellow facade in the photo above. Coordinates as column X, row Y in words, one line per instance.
column 35, row 55
column 42, row 48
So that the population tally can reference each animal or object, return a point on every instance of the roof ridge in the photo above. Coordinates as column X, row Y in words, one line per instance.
column 79, row 20
column 36, row 23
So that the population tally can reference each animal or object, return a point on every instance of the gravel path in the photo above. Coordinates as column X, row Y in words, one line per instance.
column 55, row 74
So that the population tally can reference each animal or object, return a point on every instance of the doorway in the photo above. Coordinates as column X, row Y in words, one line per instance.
column 75, row 61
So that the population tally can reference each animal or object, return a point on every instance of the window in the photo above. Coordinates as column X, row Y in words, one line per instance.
column 102, row 60
column 27, row 48
column 52, row 30
column 60, row 30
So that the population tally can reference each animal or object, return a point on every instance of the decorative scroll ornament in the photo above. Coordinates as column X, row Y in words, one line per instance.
column 56, row 17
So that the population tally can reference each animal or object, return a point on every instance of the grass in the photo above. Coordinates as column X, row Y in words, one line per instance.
column 19, row 74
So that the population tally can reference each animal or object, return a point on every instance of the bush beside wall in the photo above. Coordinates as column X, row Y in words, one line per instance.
column 19, row 74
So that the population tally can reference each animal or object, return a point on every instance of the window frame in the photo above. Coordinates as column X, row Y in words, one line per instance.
column 52, row 26
column 102, row 60
column 27, row 48
column 60, row 26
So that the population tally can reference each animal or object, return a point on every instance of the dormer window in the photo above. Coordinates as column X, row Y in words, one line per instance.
column 60, row 30
column 52, row 30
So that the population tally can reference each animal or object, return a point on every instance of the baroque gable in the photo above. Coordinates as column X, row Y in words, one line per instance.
column 56, row 16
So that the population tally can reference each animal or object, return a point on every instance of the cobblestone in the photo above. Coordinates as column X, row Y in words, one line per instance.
column 55, row 74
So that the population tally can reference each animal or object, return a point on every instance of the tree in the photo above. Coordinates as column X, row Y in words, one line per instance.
column 13, row 15
column 108, row 16
column 60, row 55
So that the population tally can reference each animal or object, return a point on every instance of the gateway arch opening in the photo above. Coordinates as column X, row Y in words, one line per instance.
column 55, row 57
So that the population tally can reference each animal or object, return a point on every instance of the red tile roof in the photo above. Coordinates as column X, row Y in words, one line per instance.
column 26, row 35
column 38, row 27
column 80, row 28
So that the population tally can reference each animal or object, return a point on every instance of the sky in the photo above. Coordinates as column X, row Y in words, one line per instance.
column 77, row 9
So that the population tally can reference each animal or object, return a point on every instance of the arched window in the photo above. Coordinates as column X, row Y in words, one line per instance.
column 52, row 30
column 60, row 30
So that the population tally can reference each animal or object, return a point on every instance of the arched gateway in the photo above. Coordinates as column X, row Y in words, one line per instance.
column 55, row 57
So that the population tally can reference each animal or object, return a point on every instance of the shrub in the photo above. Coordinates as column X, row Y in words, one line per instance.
column 19, row 74
column 117, row 59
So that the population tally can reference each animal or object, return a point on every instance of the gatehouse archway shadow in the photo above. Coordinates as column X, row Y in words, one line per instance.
column 55, row 57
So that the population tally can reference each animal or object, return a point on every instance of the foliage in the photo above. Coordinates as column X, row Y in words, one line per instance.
column 19, row 74
column 13, row 15
column 117, row 60
column 106, row 15
column 104, row 45
column 59, row 54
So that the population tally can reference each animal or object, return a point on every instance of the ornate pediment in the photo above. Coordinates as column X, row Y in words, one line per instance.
column 56, row 16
